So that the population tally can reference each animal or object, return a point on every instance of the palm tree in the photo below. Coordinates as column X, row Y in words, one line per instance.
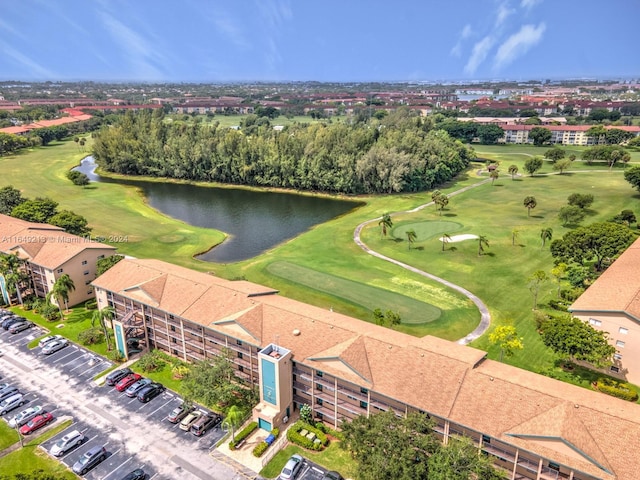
column 494, row 176
column 385, row 223
column 441, row 202
column 101, row 317
column 535, row 280
column 514, row 235
column 530, row 202
column 446, row 238
column 411, row 237
column 434, row 197
column 232, row 420
column 14, row 275
column 482, row 242
column 546, row 234
column 61, row 289
column 513, row 171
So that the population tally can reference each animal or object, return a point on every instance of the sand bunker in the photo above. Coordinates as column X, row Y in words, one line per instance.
column 459, row 238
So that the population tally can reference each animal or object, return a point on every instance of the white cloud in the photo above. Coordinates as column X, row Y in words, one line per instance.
column 529, row 4
column 503, row 13
column 518, row 44
column 275, row 14
column 230, row 29
column 466, row 32
column 32, row 69
column 479, row 54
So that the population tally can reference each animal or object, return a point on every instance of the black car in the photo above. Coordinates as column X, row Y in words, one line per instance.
column 150, row 391
column 204, row 423
column 332, row 476
column 117, row 375
column 137, row 474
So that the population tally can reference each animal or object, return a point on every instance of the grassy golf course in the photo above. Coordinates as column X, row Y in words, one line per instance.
column 325, row 267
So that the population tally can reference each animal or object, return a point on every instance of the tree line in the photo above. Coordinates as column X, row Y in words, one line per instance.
column 400, row 153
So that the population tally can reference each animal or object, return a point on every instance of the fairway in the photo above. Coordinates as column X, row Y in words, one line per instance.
column 411, row 311
column 426, row 230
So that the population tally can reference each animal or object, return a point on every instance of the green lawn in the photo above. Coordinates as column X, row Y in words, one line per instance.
column 332, row 458
column 30, row 458
column 162, row 375
column 8, row 436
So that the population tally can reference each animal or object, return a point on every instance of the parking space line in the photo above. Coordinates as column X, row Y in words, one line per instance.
column 97, row 365
column 117, row 468
column 162, row 406
column 75, row 368
column 63, row 357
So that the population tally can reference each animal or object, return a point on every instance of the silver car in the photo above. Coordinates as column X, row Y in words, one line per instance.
column 9, row 403
column 54, row 346
column 24, row 416
column 50, row 338
column 66, row 443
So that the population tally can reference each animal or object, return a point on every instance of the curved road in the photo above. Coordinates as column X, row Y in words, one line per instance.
column 485, row 316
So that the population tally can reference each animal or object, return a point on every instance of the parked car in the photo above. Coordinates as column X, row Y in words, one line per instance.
column 135, row 387
column 150, row 391
column 11, row 402
column 90, row 459
column 4, row 386
column 137, row 474
column 117, row 375
column 332, row 476
column 36, row 422
column 291, row 468
column 70, row 440
column 189, row 420
column 11, row 320
column 127, row 380
column 47, row 339
column 54, row 346
column 178, row 413
column 20, row 327
column 204, row 423
column 7, row 392
column 24, row 416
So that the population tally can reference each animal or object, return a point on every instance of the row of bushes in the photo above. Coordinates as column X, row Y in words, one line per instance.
column 260, row 448
column 334, row 433
column 293, row 435
column 617, row 389
column 242, row 434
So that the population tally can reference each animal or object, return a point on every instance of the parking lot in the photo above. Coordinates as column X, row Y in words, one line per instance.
column 135, row 434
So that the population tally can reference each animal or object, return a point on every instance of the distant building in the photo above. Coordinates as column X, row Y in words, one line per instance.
column 560, row 134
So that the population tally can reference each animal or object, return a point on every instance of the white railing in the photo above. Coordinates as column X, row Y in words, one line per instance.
column 274, row 448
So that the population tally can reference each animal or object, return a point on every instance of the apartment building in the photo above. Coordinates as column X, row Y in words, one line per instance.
column 560, row 134
column 49, row 252
column 532, row 426
column 612, row 304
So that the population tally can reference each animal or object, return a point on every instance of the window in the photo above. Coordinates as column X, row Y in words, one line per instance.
column 363, row 404
column 319, row 401
column 318, row 387
column 239, row 354
column 173, row 340
column 84, row 262
column 617, row 356
column 171, row 316
column 614, row 369
column 172, row 328
column 100, row 257
column 594, row 322
column 90, row 291
column 319, row 373
column 554, row 466
column 87, row 282
column 364, row 390
column 59, row 270
column 486, row 439
column 86, row 272
column 623, row 330
column 240, row 368
column 619, row 343
column 239, row 342
column 320, row 416
column 175, row 352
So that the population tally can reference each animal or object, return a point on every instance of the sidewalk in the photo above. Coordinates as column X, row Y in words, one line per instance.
column 243, row 456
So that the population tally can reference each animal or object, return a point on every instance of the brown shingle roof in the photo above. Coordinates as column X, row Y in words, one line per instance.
column 617, row 289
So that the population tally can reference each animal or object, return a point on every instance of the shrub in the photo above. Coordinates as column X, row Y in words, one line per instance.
column 179, row 371
column 91, row 336
column 91, row 304
column 293, row 435
column 306, row 414
column 116, row 356
column 259, row 449
column 242, row 434
column 557, row 305
column 617, row 389
column 151, row 361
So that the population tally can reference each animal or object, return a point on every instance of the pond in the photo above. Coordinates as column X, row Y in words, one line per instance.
column 255, row 221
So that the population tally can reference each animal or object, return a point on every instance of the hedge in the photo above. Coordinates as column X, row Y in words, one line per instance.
column 260, row 448
column 334, row 433
column 293, row 435
column 242, row 434
column 617, row 389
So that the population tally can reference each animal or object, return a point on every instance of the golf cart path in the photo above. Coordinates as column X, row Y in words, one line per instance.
column 485, row 316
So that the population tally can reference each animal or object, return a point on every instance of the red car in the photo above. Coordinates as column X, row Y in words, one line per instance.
column 123, row 384
column 36, row 423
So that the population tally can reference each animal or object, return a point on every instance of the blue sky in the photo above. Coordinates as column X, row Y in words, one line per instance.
column 328, row 40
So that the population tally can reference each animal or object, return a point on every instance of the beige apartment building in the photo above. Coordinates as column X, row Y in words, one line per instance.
column 612, row 304
column 560, row 134
column 532, row 426
column 49, row 252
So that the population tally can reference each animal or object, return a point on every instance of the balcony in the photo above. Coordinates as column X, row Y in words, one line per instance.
column 504, row 455
column 358, row 395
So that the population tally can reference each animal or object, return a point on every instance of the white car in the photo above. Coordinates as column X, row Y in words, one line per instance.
column 66, row 443
column 50, row 338
column 24, row 416
column 54, row 346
